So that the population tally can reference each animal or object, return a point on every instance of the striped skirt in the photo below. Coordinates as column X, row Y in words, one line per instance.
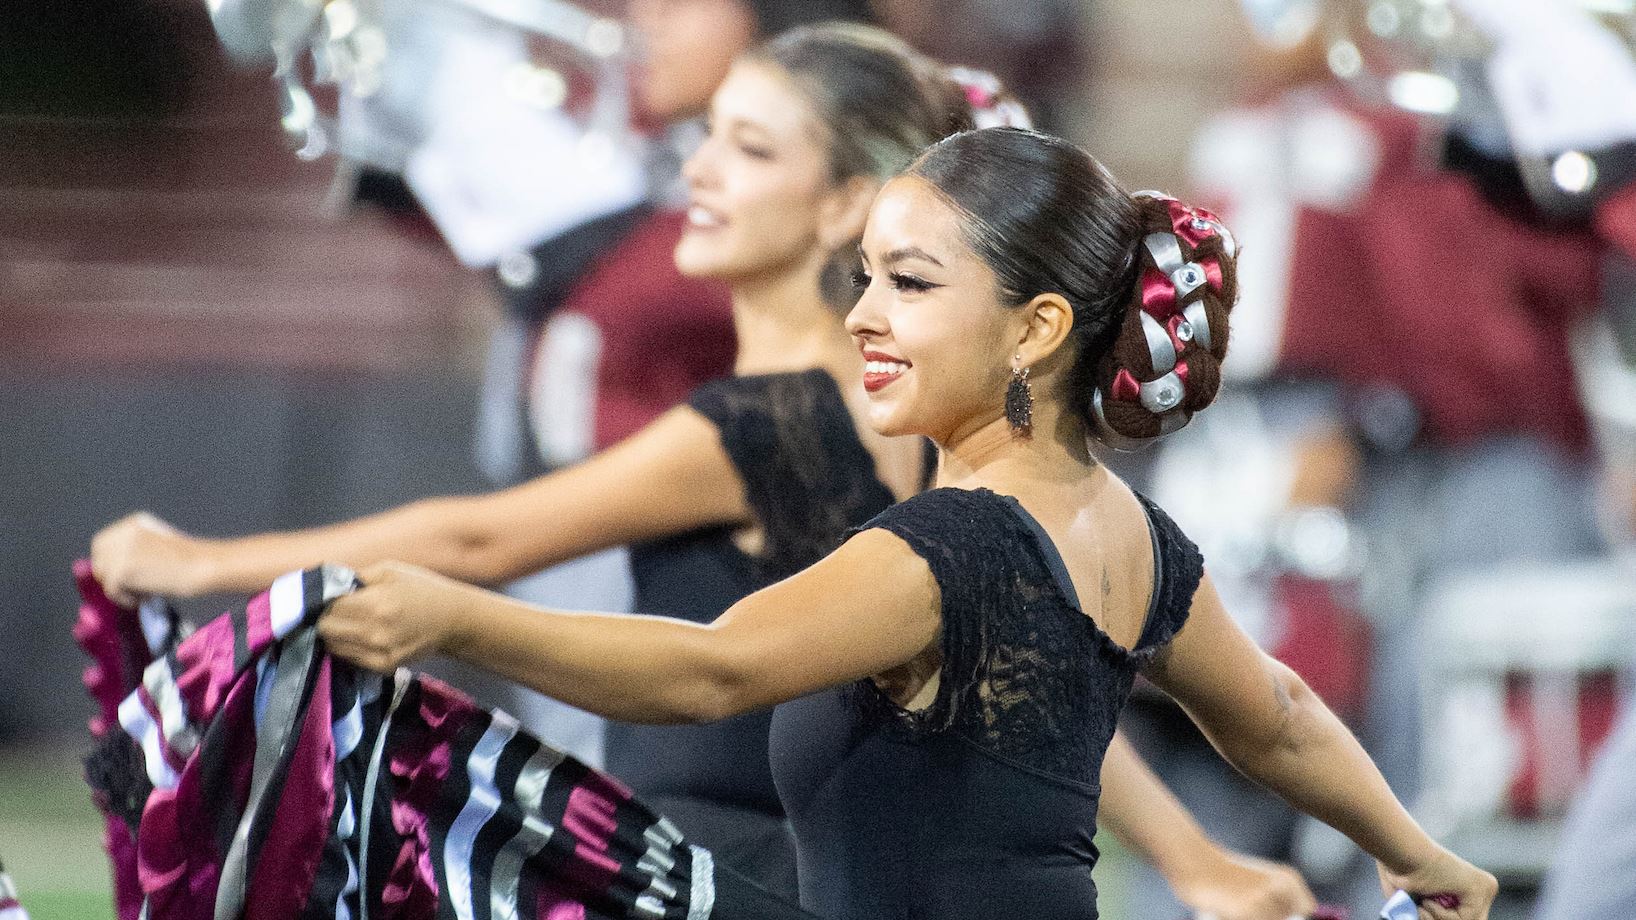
column 9, row 908
column 245, row 773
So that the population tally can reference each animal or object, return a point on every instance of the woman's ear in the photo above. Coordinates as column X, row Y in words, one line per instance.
column 845, row 210
column 1049, row 320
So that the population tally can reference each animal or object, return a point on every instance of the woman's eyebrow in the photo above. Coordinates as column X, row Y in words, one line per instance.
column 910, row 252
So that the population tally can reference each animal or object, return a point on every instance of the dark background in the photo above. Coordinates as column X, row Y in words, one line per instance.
column 187, row 326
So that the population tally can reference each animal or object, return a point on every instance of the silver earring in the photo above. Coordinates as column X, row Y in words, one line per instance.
column 1019, row 402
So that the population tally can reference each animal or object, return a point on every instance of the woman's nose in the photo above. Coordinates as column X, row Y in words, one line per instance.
column 867, row 319
column 702, row 168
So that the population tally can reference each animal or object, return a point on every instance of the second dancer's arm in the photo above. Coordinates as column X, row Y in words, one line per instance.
column 670, row 477
column 1139, row 810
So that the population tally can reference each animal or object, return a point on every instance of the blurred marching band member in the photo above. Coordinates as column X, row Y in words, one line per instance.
column 10, row 909
column 1453, row 445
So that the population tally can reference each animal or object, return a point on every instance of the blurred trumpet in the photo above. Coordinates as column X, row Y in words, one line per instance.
column 380, row 57
column 1548, row 83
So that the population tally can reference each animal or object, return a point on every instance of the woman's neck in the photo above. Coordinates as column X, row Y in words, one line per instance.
column 783, row 324
column 991, row 454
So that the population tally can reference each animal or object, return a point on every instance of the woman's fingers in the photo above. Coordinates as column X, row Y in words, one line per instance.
column 353, row 627
column 374, row 626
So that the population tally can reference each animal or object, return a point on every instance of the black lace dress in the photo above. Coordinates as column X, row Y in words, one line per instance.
column 982, row 805
column 809, row 480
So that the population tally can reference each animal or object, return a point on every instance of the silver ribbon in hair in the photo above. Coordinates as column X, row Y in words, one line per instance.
column 1168, row 423
column 1160, row 348
column 1163, row 395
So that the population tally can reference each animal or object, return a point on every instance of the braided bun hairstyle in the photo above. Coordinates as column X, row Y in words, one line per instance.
column 1165, row 363
column 1150, row 280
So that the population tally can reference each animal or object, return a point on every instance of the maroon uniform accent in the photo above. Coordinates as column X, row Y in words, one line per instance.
column 663, row 334
column 1426, row 287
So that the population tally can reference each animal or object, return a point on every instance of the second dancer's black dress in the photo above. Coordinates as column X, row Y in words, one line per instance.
column 809, row 480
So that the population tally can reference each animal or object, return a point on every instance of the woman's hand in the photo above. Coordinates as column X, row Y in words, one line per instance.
column 402, row 613
column 1446, row 886
column 139, row 554
column 1239, row 887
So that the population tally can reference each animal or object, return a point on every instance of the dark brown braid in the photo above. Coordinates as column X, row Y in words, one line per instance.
column 1185, row 285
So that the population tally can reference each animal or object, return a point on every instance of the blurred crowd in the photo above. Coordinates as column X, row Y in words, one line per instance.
column 1418, row 488
column 1429, row 527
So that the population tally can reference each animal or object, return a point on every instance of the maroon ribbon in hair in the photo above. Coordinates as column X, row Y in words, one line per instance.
column 1159, row 294
column 1161, row 302
column 1195, row 225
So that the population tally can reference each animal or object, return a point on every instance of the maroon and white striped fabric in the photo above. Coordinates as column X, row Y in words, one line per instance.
column 9, row 908
column 253, row 776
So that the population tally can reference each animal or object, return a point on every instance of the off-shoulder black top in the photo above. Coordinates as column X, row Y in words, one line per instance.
column 983, row 804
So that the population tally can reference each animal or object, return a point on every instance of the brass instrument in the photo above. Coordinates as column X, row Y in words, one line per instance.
column 1458, row 60
column 375, row 53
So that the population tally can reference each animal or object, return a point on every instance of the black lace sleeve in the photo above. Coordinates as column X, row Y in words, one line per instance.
column 808, row 477
column 1178, row 570
column 972, row 554
column 1026, row 675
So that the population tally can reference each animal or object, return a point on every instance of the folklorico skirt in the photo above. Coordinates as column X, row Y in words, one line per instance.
column 246, row 773
column 9, row 908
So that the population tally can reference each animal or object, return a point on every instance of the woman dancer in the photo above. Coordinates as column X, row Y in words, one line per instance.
column 951, row 675
column 757, row 478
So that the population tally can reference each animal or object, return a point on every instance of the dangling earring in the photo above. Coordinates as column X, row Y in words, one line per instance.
column 1019, row 401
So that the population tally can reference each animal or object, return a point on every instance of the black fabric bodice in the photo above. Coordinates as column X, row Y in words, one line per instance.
column 983, row 804
column 809, row 480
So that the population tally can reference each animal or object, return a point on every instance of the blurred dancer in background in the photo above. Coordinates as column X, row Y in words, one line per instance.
column 601, row 333
column 570, row 204
column 779, row 190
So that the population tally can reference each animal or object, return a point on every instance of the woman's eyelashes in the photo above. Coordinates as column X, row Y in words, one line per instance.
column 906, row 282
column 899, row 280
column 733, row 135
column 751, row 143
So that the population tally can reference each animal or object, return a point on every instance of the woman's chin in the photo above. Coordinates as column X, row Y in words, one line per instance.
column 883, row 420
column 694, row 260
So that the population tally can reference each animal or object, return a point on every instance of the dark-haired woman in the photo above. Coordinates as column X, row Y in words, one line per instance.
column 757, row 478
column 951, row 674
column 602, row 334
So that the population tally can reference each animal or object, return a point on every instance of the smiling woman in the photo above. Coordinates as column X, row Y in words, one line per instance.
column 947, row 681
column 1054, row 239
column 866, row 101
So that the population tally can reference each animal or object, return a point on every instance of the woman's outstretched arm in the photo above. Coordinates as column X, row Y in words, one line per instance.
column 1141, row 812
column 1265, row 720
column 672, row 476
column 866, row 608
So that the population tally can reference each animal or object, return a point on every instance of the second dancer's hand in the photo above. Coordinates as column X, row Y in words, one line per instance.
column 1234, row 886
column 140, row 554
column 401, row 614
